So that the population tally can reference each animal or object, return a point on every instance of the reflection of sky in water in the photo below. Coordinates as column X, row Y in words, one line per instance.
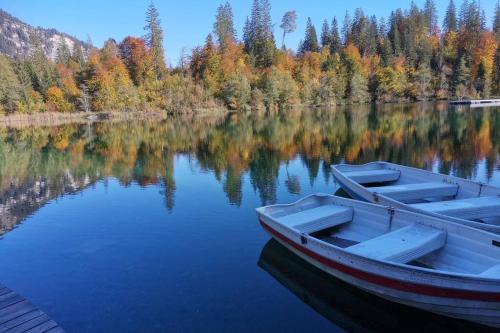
column 112, row 259
column 167, row 239
column 480, row 173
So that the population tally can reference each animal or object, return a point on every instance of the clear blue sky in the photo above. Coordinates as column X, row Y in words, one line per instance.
column 186, row 23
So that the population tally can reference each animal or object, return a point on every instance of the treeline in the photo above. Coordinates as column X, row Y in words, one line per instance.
column 406, row 57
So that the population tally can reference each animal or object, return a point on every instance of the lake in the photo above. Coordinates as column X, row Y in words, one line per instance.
column 149, row 226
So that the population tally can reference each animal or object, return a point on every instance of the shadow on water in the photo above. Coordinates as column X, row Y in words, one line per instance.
column 346, row 306
column 342, row 193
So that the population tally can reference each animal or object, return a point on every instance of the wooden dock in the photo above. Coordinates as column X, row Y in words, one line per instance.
column 476, row 102
column 18, row 315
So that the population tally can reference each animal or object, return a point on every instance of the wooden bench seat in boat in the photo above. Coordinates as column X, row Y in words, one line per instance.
column 317, row 218
column 492, row 272
column 373, row 176
column 416, row 191
column 472, row 208
column 402, row 245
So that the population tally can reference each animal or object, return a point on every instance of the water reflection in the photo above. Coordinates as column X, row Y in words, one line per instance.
column 39, row 164
column 346, row 306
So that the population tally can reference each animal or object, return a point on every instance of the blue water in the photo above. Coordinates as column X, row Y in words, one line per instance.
column 112, row 259
column 119, row 255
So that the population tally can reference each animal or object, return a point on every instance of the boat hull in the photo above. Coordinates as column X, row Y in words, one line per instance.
column 461, row 304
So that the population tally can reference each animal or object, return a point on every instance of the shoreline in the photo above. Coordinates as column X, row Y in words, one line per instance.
column 56, row 119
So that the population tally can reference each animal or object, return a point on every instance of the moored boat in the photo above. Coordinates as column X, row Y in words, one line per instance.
column 458, row 200
column 405, row 257
column 348, row 307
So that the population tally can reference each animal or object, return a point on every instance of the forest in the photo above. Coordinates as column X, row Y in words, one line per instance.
column 409, row 56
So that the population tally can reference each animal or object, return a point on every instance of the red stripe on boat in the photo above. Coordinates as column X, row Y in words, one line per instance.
column 388, row 282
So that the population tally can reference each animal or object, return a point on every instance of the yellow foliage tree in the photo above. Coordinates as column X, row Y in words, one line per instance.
column 109, row 80
column 56, row 100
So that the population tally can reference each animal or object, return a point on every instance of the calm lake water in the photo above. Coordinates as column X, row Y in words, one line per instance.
column 150, row 226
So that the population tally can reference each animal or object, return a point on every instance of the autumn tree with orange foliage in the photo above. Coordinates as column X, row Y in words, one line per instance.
column 109, row 81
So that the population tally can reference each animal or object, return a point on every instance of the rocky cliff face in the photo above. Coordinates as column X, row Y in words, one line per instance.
column 15, row 37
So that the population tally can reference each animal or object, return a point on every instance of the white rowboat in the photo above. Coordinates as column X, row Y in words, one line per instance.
column 458, row 200
column 405, row 257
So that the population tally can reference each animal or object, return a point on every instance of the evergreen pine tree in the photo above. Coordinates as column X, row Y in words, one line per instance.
column 10, row 87
column 422, row 81
column 39, row 67
column 496, row 23
column 288, row 24
column 386, row 51
column 310, row 43
column 495, row 87
column 346, row 28
column 77, row 55
column 63, row 53
column 325, row 34
column 154, row 40
column 260, row 34
column 483, row 82
column 335, row 43
column 268, row 48
column 363, row 32
column 384, row 46
column 470, row 18
column 450, row 19
column 430, row 14
column 372, row 36
column 247, row 35
column 462, row 78
column 224, row 26
column 395, row 36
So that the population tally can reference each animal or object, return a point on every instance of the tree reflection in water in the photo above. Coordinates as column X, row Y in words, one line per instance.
column 41, row 163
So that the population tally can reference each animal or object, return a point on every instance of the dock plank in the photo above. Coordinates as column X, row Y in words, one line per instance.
column 57, row 329
column 18, row 315
column 15, row 298
column 43, row 327
column 29, row 325
column 19, row 320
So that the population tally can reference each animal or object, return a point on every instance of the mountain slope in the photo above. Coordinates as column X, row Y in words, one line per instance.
column 15, row 37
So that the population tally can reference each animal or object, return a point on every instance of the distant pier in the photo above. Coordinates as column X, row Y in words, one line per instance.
column 477, row 102
column 18, row 315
